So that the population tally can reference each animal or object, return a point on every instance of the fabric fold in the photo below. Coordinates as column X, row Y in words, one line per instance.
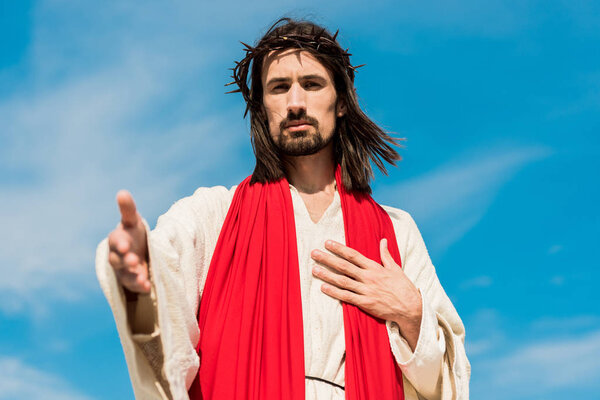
column 250, row 316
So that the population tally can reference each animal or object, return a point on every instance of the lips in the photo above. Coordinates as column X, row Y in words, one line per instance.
column 298, row 124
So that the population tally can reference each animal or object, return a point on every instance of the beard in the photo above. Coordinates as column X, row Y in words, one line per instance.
column 300, row 143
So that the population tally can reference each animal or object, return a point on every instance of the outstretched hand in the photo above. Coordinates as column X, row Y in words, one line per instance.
column 384, row 291
column 129, row 247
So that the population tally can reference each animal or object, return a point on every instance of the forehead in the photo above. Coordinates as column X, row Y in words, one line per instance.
column 291, row 63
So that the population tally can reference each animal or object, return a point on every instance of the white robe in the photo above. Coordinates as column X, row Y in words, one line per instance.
column 164, row 363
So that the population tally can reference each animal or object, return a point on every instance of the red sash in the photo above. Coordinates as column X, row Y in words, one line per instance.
column 250, row 318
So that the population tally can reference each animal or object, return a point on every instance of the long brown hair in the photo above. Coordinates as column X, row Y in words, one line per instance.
column 357, row 141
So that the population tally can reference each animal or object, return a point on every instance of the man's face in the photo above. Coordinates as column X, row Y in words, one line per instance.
column 300, row 100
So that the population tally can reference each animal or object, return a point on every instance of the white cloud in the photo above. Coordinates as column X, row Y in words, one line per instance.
column 555, row 249
column 485, row 332
column 478, row 347
column 557, row 280
column 564, row 325
column 477, row 282
column 494, row 19
column 451, row 200
column 81, row 138
column 548, row 355
column 542, row 368
column 76, row 144
column 21, row 381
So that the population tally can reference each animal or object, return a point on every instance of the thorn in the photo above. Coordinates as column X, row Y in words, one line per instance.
column 248, row 47
column 336, row 33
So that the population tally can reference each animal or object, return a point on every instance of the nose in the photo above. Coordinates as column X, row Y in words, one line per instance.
column 296, row 101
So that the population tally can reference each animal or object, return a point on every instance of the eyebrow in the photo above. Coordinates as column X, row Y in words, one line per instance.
column 302, row 78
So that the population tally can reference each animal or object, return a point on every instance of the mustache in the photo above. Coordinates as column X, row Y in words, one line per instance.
column 291, row 117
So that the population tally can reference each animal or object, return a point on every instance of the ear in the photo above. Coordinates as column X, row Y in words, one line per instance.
column 340, row 108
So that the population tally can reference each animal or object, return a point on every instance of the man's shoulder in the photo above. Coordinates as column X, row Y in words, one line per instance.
column 204, row 200
column 398, row 216
column 212, row 193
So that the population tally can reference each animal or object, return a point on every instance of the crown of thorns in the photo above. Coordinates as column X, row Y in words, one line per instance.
column 316, row 40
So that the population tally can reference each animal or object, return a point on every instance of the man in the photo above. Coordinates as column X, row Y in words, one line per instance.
column 294, row 284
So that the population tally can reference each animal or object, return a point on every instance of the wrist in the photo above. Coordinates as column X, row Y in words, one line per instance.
column 412, row 314
column 409, row 322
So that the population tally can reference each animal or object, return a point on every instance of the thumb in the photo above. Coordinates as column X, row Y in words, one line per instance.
column 386, row 258
column 129, row 216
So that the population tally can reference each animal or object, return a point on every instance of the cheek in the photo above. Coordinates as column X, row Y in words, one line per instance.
column 273, row 121
column 328, row 115
column 326, row 104
column 273, row 112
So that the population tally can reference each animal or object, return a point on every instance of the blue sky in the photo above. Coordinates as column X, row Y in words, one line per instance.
column 499, row 102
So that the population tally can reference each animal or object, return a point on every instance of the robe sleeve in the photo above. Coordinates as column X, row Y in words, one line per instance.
column 163, row 363
column 438, row 368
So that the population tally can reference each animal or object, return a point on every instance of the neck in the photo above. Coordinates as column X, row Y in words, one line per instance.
column 314, row 173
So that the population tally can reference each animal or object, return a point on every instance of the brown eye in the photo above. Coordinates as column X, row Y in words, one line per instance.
column 311, row 85
column 280, row 88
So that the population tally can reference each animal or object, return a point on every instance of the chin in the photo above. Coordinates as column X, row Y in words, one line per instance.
column 299, row 134
column 303, row 144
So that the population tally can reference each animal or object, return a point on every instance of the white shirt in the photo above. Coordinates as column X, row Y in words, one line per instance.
column 164, row 363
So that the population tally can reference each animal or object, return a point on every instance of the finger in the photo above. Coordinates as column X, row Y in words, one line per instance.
column 341, row 281
column 145, row 286
column 123, row 246
column 115, row 260
column 143, row 282
column 131, row 260
column 127, row 263
column 128, row 279
column 135, row 277
column 386, row 257
column 129, row 216
column 337, row 263
column 135, row 282
column 119, row 241
column 341, row 294
column 349, row 254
